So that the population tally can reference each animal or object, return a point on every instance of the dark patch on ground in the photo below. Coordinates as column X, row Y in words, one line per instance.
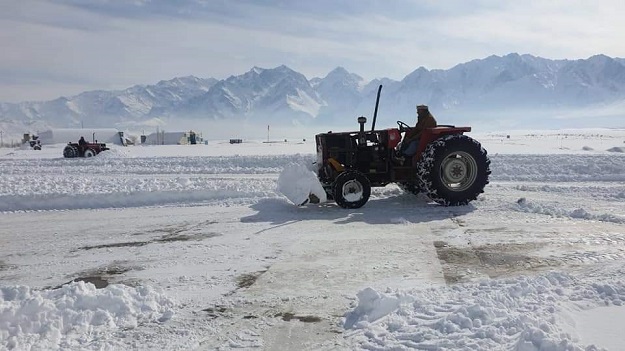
column 458, row 221
column 440, row 244
column 99, row 277
column 179, row 228
column 288, row 316
column 164, row 239
column 98, row 281
column 5, row 266
column 114, row 245
column 500, row 230
column 186, row 237
column 248, row 279
column 492, row 260
column 130, row 282
column 216, row 311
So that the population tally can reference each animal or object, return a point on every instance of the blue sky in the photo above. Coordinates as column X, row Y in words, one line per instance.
column 63, row 47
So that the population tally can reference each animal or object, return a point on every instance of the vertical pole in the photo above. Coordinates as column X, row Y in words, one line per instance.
column 375, row 112
column 268, row 133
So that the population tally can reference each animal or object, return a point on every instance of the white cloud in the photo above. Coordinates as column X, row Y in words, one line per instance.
column 63, row 48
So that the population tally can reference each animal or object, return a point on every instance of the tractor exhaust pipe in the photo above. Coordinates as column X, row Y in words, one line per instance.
column 375, row 112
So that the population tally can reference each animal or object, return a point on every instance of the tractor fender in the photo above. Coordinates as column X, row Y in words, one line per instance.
column 431, row 134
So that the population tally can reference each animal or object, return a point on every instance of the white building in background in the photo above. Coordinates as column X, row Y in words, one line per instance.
column 173, row 138
column 64, row 136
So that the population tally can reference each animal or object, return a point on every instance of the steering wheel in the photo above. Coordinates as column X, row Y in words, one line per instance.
column 403, row 127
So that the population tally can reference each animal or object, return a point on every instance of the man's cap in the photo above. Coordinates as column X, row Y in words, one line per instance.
column 422, row 107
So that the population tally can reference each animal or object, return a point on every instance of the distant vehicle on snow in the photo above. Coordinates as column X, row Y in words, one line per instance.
column 33, row 141
column 83, row 149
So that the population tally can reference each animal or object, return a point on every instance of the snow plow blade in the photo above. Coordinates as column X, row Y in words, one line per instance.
column 300, row 185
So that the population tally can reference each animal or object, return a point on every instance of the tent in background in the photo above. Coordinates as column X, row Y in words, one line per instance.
column 63, row 136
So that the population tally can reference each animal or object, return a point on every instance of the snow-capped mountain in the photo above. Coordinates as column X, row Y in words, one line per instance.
column 341, row 91
column 131, row 106
column 482, row 90
column 278, row 94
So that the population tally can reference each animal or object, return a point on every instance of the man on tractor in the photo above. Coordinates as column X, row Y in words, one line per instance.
column 410, row 143
column 82, row 143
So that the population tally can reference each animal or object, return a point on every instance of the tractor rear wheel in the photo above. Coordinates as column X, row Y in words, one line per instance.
column 454, row 170
column 70, row 152
column 351, row 189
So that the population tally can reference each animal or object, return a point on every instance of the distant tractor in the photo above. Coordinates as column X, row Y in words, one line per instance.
column 72, row 150
column 449, row 167
column 33, row 141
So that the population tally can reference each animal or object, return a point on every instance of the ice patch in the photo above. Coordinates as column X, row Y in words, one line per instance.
column 601, row 326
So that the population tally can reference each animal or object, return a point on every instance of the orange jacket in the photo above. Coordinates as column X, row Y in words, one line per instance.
column 423, row 122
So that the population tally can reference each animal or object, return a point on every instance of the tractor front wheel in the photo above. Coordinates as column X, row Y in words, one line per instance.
column 89, row 153
column 351, row 189
column 454, row 170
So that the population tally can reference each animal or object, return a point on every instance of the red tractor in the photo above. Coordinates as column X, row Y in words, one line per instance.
column 451, row 168
column 72, row 150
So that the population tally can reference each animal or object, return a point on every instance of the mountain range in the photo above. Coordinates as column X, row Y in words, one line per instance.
column 496, row 90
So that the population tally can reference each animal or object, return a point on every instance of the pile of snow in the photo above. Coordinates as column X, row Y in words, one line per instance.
column 617, row 149
column 297, row 182
column 75, row 314
column 524, row 314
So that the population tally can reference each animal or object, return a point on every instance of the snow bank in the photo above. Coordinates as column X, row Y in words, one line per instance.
column 520, row 314
column 557, row 168
column 128, row 177
column 116, row 178
column 75, row 314
column 533, row 207
column 113, row 180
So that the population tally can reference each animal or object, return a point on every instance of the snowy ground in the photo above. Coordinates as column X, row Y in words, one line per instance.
column 192, row 247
